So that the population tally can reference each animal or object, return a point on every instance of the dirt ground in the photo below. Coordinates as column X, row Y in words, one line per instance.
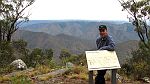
column 63, row 80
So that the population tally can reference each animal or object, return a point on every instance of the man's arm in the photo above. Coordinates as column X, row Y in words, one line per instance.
column 111, row 45
column 97, row 41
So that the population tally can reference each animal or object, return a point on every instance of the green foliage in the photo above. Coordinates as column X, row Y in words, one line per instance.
column 141, row 69
column 20, row 45
column 12, row 16
column 140, row 61
column 20, row 49
column 9, row 51
column 53, row 65
column 141, row 7
column 37, row 56
column 21, row 79
column 139, row 65
column 139, row 11
column 34, row 57
column 6, row 69
column 126, row 69
column 77, row 59
column 66, row 56
column 81, row 59
column 6, row 53
column 72, row 59
column 49, row 54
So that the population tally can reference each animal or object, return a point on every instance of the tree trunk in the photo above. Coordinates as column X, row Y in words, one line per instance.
column 0, row 32
column 9, row 37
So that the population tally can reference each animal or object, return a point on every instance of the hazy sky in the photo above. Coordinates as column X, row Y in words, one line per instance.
column 77, row 10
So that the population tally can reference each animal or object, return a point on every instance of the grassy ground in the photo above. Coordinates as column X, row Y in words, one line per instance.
column 46, row 75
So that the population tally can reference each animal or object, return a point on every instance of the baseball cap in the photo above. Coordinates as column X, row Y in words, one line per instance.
column 102, row 27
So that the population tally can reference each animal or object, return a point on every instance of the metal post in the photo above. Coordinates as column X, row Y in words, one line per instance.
column 91, row 77
column 113, row 76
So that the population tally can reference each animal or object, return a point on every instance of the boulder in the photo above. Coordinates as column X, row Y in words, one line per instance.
column 146, row 79
column 69, row 65
column 19, row 64
column 119, row 77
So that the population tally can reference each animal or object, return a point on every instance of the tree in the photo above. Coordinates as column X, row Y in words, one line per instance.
column 139, row 65
column 35, row 57
column 49, row 54
column 140, row 61
column 6, row 54
column 39, row 56
column 20, row 45
column 12, row 16
column 139, row 12
column 20, row 49
column 64, row 55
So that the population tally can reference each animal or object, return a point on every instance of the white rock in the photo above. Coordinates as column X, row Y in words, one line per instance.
column 146, row 79
column 19, row 64
column 69, row 65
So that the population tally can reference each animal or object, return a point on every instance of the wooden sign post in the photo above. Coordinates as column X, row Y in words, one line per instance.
column 91, row 77
column 101, row 60
column 113, row 76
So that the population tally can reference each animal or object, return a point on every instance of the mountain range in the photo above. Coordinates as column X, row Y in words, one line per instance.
column 77, row 36
column 61, row 41
column 83, row 29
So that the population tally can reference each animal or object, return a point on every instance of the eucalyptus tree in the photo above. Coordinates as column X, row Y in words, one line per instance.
column 139, row 16
column 12, row 15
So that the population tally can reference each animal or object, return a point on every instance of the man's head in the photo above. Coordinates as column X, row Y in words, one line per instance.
column 103, row 30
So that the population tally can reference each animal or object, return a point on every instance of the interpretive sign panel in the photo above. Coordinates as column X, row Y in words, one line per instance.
column 102, row 59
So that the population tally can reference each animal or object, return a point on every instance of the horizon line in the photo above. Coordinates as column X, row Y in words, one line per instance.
column 75, row 20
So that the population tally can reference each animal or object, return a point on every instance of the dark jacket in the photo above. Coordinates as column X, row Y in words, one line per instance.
column 105, row 43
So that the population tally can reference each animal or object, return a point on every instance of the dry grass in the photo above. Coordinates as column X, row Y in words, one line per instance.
column 27, row 74
column 32, row 73
column 4, row 78
column 80, row 69
column 45, row 77
column 21, row 79
column 78, row 72
column 78, row 76
column 42, row 69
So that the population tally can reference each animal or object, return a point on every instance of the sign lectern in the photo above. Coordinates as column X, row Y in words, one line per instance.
column 101, row 60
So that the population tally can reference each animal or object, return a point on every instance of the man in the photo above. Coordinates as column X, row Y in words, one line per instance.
column 104, row 42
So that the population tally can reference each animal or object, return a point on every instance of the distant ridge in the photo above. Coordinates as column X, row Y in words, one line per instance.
column 73, row 44
column 83, row 29
column 49, row 21
column 61, row 41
